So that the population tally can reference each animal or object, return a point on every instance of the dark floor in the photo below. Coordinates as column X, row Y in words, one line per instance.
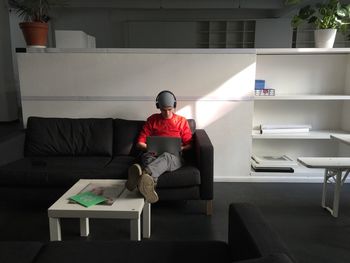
column 293, row 210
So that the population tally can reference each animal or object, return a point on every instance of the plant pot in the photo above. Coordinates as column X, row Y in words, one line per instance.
column 324, row 38
column 35, row 33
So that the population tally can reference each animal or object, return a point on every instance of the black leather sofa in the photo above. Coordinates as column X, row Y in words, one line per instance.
column 250, row 240
column 51, row 154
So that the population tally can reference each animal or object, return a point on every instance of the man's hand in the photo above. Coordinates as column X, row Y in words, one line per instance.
column 186, row 147
column 142, row 146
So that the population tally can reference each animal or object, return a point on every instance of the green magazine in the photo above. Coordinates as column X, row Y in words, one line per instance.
column 88, row 199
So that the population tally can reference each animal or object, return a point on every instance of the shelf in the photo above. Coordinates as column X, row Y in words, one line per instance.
column 299, row 171
column 240, row 31
column 312, row 135
column 344, row 138
column 227, row 34
column 301, row 51
column 318, row 95
column 303, row 97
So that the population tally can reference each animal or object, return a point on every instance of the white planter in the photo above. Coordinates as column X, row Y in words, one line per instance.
column 324, row 38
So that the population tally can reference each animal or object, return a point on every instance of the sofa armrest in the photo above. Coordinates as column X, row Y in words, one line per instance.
column 204, row 152
column 12, row 147
column 250, row 236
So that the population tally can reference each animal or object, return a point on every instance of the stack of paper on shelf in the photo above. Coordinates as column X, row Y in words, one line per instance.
column 284, row 128
column 281, row 163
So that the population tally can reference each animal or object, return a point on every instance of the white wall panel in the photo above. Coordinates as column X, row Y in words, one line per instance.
column 218, row 76
column 214, row 89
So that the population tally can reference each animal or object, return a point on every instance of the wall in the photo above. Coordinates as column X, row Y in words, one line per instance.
column 272, row 33
column 114, row 27
column 8, row 102
column 109, row 21
column 213, row 87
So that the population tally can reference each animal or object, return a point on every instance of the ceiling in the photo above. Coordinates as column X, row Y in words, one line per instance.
column 235, row 8
column 266, row 8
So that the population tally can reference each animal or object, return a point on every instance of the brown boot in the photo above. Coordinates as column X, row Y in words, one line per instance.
column 134, row 176
column 146, row 187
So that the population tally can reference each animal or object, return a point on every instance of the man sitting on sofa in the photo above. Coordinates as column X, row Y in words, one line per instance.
column 165, row 123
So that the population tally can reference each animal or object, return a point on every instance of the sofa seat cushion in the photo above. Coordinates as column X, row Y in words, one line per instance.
column 133, row 251
column 19, row 251
column 54, row 171
column 119, row 166
column 186, row 176
column 183, row 193
column 69, row 137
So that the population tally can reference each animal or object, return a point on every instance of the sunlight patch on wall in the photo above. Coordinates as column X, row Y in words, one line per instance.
column 223, row 99
column 238, row 87
column 186, row 111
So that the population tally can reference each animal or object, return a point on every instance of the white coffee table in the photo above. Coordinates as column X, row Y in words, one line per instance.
column 129, row 205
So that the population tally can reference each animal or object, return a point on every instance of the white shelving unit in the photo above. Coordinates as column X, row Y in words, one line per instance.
column 312, row 135
column 304, row 97
column 226, row 34
column 299, row 171
column 312, row 86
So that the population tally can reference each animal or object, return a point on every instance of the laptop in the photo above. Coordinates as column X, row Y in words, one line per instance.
column 161, row 144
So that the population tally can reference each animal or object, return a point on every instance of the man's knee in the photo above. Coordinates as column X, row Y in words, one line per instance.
column 147, row 158
column 167, row 155
column 173, row 161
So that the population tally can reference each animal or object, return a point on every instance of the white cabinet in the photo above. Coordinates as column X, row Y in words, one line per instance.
column 312, row 87
column 74, row 39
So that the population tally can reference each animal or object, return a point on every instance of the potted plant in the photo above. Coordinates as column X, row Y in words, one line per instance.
column 328, row 17
column 35, row 14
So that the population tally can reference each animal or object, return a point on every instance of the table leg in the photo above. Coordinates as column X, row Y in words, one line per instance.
column 337, row 193
column 84, row 227
column 324, row 192
column 55, row 229
column 146, row 220
column 135, row 233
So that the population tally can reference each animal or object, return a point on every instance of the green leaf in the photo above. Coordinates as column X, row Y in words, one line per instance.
column 306, row 12
column 342, row 12
column 34, row 10
column 296, row 21
column 312, row 19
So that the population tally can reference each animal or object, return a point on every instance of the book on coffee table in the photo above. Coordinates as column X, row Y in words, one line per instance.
column 88, row 199
column 110, row 192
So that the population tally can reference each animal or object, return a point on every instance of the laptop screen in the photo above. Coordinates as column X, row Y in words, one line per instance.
column 161, row 144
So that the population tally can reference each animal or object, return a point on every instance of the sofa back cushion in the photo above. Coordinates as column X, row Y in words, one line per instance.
column 125, row 136
column 126, row 133
column 69, row 137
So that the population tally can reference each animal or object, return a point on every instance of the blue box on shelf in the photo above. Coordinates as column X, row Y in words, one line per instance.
column 259, row 84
